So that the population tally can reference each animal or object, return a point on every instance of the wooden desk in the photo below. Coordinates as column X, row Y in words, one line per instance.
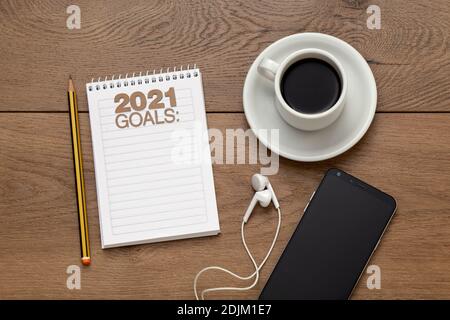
column 406, row 152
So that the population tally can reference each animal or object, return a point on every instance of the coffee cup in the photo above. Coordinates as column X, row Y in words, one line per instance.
column 310, row 87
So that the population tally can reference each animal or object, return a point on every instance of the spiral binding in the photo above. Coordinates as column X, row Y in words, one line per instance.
column 138, row 79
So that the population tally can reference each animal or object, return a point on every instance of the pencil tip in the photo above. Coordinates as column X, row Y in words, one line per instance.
column 70, row 76
column 71, row 86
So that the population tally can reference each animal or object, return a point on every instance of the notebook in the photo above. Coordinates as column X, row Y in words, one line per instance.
column 152, row 158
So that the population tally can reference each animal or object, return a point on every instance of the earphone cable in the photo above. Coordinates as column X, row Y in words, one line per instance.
column 255, row 273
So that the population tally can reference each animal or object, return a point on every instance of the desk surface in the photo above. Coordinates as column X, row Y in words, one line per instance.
column 406, row 152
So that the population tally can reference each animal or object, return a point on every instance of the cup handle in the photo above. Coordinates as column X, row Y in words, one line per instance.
column 268, row 68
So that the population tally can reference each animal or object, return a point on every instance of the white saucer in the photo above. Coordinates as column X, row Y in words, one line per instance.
column 331, row 141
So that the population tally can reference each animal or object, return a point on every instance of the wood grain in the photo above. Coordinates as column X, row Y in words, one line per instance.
column 409, row 55
column 404, row 155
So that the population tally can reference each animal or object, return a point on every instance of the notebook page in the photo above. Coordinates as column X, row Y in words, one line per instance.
column 152, row 161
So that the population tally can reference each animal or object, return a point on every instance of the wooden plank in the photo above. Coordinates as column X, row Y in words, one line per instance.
column 409, row 56
column 405, row 155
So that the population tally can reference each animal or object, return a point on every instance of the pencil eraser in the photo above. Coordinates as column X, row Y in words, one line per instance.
column 86, row 261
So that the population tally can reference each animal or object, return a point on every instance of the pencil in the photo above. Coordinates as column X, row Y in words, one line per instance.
column 79, row 179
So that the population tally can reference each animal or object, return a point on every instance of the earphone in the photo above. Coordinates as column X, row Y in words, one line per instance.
column 264, row 195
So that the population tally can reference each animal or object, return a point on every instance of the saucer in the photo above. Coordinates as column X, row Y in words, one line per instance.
column 344, row 133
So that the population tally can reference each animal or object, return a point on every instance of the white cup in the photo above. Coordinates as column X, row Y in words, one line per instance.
column 274, row 71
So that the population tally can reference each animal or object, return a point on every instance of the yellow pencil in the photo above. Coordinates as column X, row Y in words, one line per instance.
column 79, row 179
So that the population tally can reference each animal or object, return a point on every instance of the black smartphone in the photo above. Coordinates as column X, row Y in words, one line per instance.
column 340, row 229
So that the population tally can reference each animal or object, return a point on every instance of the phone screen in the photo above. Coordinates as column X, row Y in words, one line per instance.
column 333, row 242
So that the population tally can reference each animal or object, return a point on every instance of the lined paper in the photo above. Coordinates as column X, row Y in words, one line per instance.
column 145, row 192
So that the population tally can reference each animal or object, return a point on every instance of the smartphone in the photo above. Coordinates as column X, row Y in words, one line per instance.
column 333, row 242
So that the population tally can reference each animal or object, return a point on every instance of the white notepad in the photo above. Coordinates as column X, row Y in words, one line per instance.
column 152, row 159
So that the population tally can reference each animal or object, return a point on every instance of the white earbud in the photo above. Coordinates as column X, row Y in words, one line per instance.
column 262, row 195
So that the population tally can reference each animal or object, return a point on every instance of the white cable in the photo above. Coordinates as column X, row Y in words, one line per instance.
column 257, row 268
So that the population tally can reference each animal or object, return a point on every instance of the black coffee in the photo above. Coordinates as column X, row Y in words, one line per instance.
column 311, row 86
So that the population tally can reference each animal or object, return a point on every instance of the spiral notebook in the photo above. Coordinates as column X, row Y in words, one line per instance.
column 152, row 158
